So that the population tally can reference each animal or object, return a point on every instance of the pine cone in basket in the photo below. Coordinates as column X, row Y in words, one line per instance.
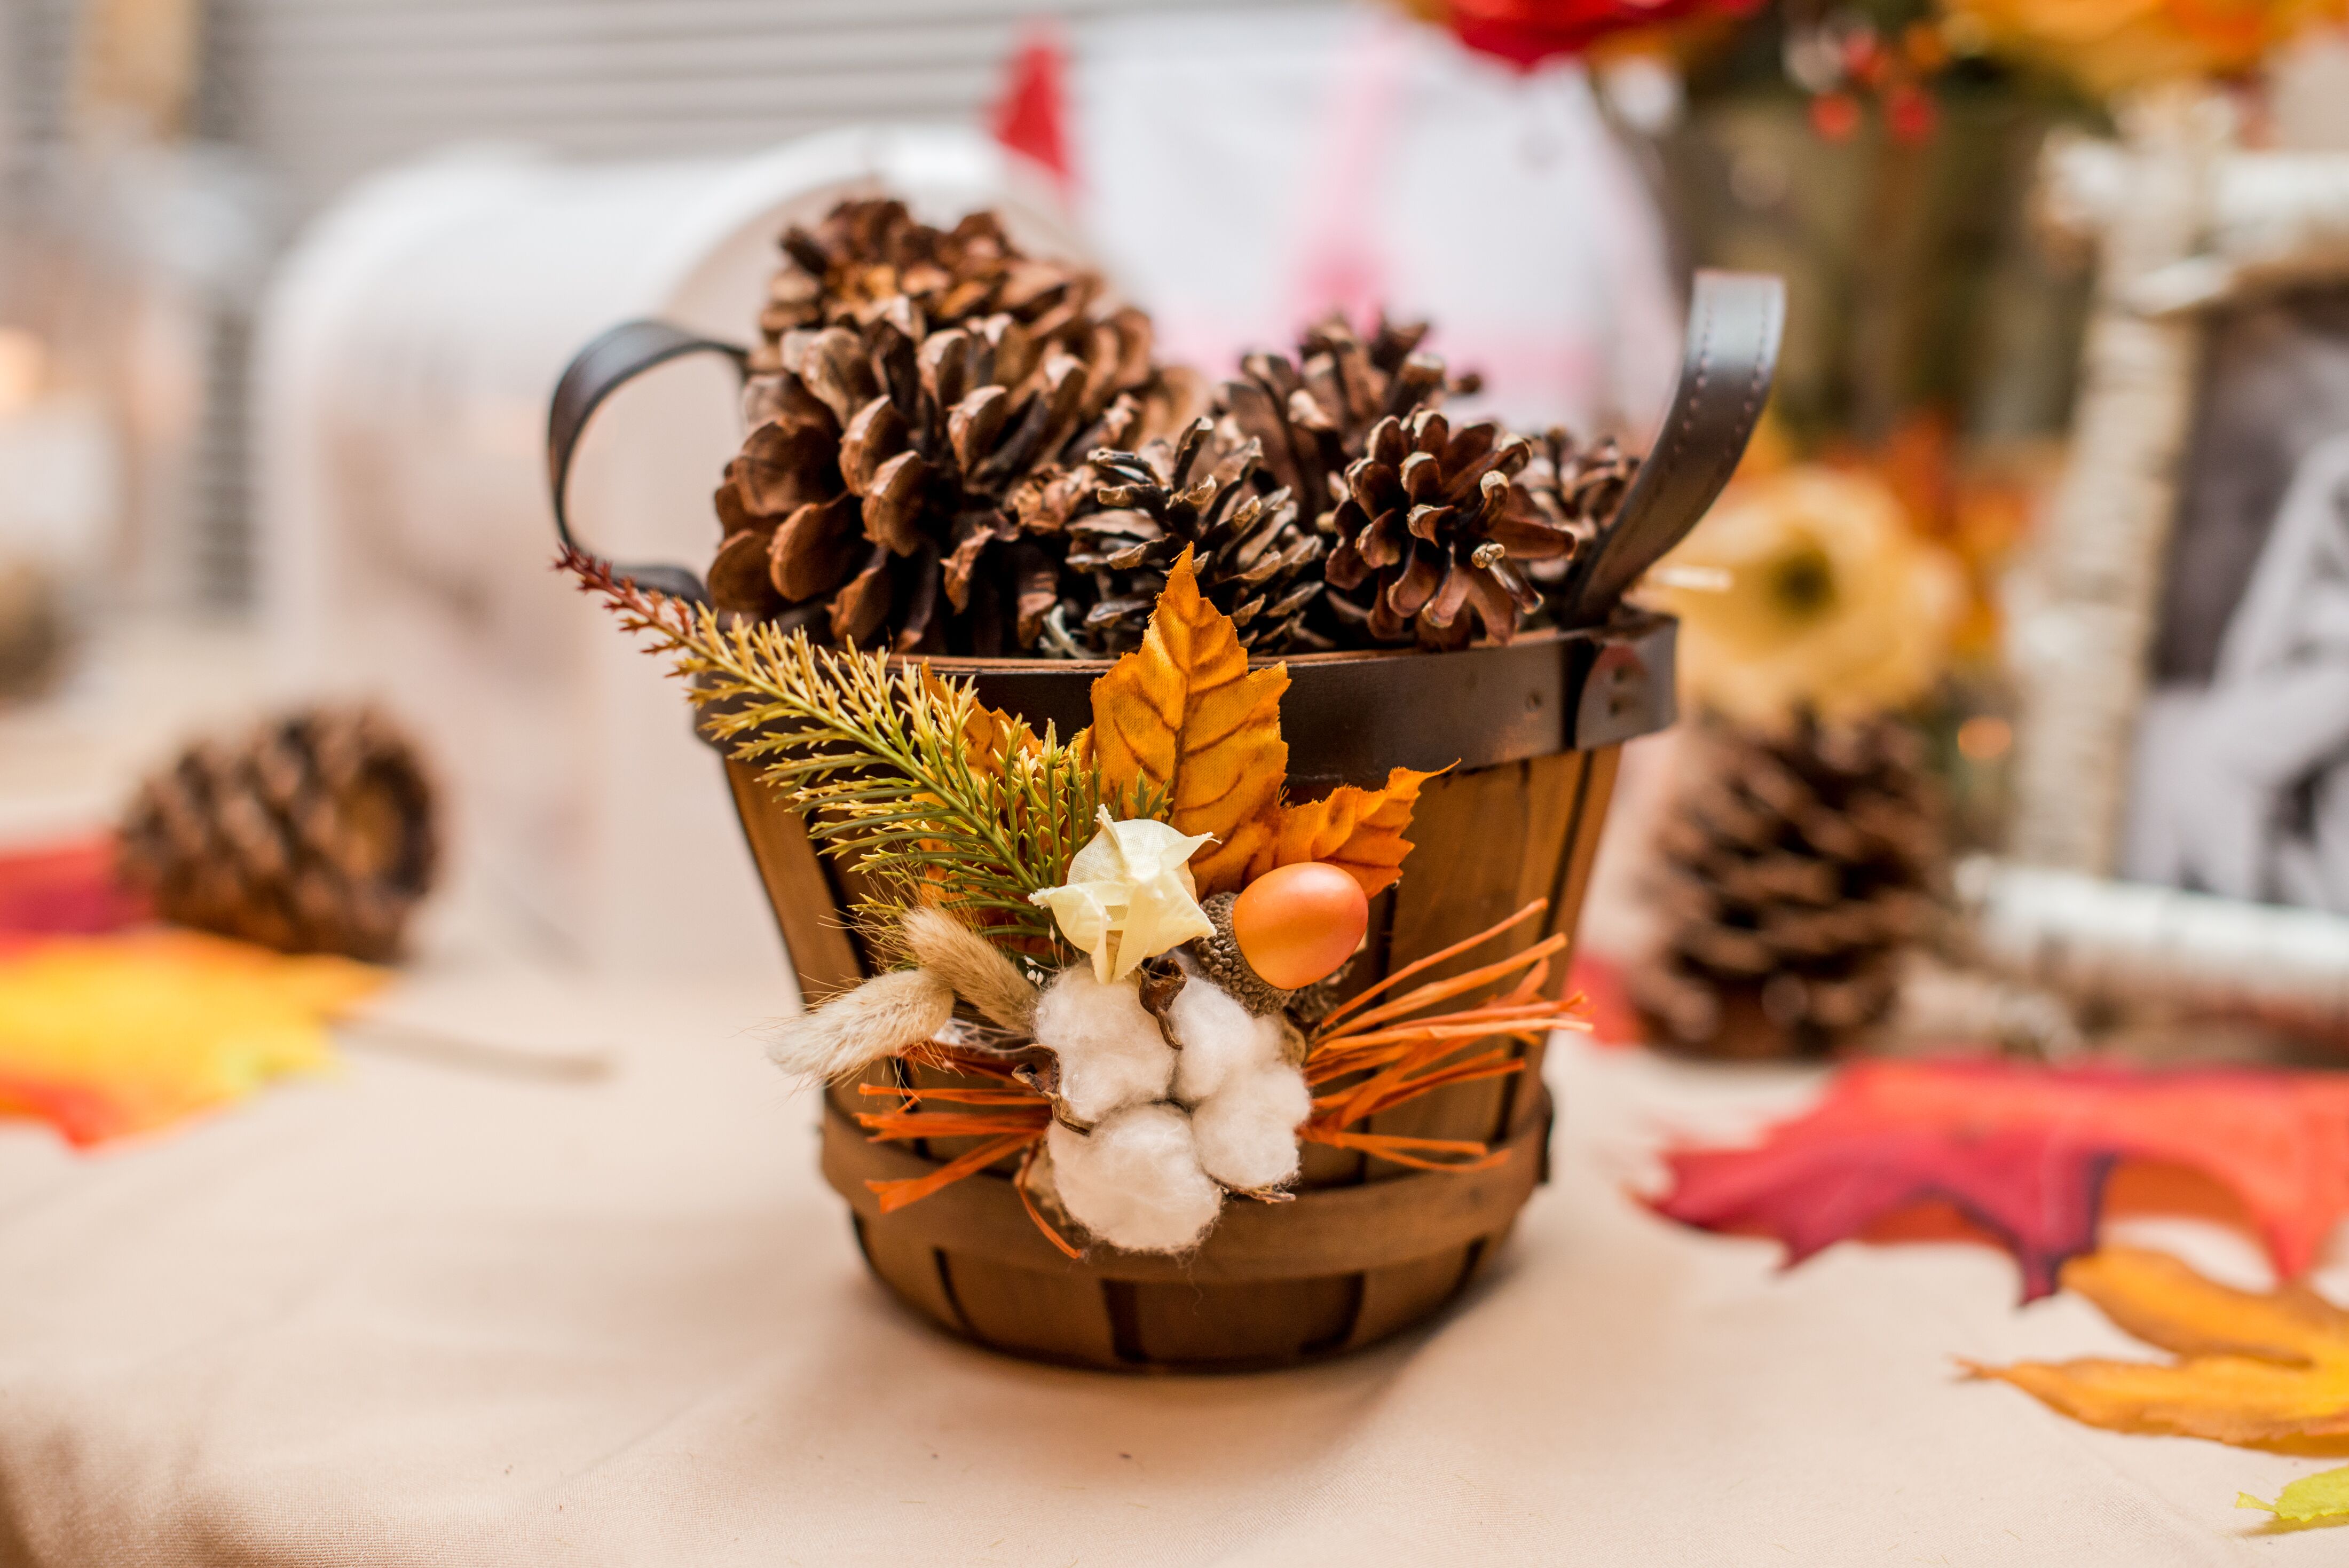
column 1438, row 535
column 1314, row 415
column 1257, row 562
column 1797, row 866
column 1570, row 490
column 1253, row 491
column 313, row 834
column 918, row 415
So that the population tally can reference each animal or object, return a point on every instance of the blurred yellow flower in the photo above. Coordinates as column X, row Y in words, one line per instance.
column 1807, row 587
column 2111, row 46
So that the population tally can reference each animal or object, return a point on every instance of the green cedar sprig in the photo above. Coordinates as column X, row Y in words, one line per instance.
column 875, row 758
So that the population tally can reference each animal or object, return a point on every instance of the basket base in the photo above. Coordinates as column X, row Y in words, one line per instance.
column 1212, row 1322
column 1338, row 1270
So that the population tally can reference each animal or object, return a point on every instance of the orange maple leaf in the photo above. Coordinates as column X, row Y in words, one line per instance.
column 1183, row 713
column 106, row 1036
column 1359, row 831
column 2265, row 1370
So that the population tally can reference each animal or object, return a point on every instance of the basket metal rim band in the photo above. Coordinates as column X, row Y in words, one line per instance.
column 1324, row 1230
column 1350, row 718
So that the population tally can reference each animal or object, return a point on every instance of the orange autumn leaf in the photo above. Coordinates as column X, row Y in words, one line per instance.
column 107, row 1036
column 989, row 734
column 1359, row 831
column 1184, row 713
column 2264, row 1370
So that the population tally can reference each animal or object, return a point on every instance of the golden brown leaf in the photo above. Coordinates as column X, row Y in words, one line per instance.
column 989, row 734
column 2263, row 1370
column 1183, row 713
column 1361, row 831
column 105, row 1036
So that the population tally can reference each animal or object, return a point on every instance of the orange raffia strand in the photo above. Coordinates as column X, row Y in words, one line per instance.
column 1370, row 1062
column 1404, row 973
column 1490, row 1065
column 1443, row 989
column 1464, row 1025
column 914, row 1095
column 1410, row 1151
column 957, row 1059
column 888, row 1127
column 1500, row 1014
column 895, row 1195
column 1026, row 1202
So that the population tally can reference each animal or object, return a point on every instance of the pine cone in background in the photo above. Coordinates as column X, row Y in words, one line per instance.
column 313, row 834
column 1796, row 866
column 918, row 410
column 32, row 630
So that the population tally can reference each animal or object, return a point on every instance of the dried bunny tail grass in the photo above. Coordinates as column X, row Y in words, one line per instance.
column 886, row 1015
column 976, row 969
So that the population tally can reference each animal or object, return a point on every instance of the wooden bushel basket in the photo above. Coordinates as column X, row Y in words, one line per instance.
column 1366, row 1249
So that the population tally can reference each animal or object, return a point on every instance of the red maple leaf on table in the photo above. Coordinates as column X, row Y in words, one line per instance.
column 2032, row 1157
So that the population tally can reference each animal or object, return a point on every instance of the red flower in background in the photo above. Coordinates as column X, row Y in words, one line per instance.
column 1032, row 117
column 1527, row 32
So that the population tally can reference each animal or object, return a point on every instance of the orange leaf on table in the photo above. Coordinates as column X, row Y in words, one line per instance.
column 108, row 1036
column 2264, row 1370
column 1186, row 714
column 1359, row 831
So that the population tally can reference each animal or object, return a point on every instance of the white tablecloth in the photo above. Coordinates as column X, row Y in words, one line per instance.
column 422, row 1313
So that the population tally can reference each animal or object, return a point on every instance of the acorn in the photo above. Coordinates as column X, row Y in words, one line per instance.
column 1294, row 926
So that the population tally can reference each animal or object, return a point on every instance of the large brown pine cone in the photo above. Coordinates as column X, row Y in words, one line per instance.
column 314, row 834
column 1797, row 867
column 917, row 419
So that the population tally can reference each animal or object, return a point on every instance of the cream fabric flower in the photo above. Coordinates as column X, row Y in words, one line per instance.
column 1823, row 597
column 1129, row 895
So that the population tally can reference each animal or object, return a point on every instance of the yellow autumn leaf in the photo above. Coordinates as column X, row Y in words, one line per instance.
column 1358, row 830
column 988, row 734
column 2310, row 1500
column 1184, row 713
column 111, row 1035
column 2264, row 1370
column 2113, row 46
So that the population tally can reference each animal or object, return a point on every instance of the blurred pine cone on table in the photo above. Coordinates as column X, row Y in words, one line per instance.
column 314, row 833
column 1796, row 866
column 32, row 630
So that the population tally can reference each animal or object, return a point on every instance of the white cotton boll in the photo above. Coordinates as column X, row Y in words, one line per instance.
column 1134, row 1180
column 1110, row 1048
column 1220, row 1038
column 1247, row 1132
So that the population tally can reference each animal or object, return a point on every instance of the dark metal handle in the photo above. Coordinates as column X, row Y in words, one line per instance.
column 1735, row 322
column 614, row 359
